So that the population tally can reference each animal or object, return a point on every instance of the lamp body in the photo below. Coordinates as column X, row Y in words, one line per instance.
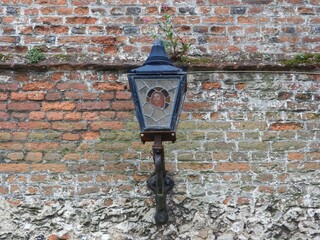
column 158, row 99
column 158, row 90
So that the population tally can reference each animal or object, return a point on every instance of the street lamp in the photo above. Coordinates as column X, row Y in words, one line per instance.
column 158, row 90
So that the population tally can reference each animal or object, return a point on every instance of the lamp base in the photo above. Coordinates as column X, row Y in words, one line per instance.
column 165, row 136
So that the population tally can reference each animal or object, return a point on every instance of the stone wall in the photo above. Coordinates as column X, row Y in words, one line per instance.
column 241, row 30
column 246, row 163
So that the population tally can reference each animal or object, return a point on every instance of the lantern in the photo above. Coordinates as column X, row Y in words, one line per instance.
column 158, row 90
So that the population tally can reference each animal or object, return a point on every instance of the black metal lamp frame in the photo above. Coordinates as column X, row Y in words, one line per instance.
column 158, row 65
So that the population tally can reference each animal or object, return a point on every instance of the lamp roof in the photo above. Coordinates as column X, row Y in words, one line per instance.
column 157, row 62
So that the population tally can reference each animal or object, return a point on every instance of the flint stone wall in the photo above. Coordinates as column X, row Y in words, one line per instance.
column 246, row 163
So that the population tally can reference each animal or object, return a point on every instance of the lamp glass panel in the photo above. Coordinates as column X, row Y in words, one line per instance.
column 157, row 98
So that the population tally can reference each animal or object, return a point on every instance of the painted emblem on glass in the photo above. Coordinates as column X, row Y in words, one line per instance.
column 158, row 97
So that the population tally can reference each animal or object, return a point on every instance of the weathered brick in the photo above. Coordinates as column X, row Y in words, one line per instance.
column 23, row 106
column 253, row 146
column 49, row 167
column 37, row 86
column 89, row 106
column 69, row 126
column 71, row 137
column 250, row 125
column 122, row 106
column 195, row 166
column 64, row 106
column 232, row 167
column 109, row 86
column 211, row 85
column 7, row 125
column 14, row 168
column 34, row 156
column 285, row 126
column 16, row 156
column 219, row 146
column 81, row 20
column 33, row 125
column 55, row 116
column 107, row 125
column 288, row 145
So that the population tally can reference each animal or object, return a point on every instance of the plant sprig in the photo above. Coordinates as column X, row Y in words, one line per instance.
column 175, row 45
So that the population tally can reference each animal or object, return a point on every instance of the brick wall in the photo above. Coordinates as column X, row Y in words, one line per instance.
column 110, row 29
column 246, row 163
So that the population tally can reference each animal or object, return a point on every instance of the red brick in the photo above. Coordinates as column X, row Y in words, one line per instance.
column 240, row 86
column 53, row 96
column 35, row 96
column 38, row 86
column 34, row 156
column 71, row 137
column 81, row 20
column 257, row 1
column 109, row 86
column 89, row 106
column 252, row 20
column 91, row 116
column 285, row 126
column 33, row 125
column 3, row 190
column 50, row 167
column 73, row 116
column 16, row 156
column 64, row 10
column 4, row 116
column 232, row 167
column 36, row 115
column 107, row 125
column 63, row 106
column 72, row 86
column 195, row 166
column 90, row 135
column 296, row 156
column 60, row 29
column 7, row 125
column 41, row 146
column 3, row 106
column 107, row 115
column 14, row 168
column 16, row 96
column 195, row 106
column 217, row 19
column 211, row 85
column 266, row 189
column 69, row 126
column 19, row 135
column 83, row 10
column 55, row 116
column 89, row 190
column 106, row 40
column 3, row 96
column 9, row 86
column 243, row 201
column 89, row 96
column 23, row 106
column 122, row 105
column 107, row 96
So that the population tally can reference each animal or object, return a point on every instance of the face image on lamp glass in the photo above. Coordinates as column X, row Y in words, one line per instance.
column 158, row 97
column 157, row 102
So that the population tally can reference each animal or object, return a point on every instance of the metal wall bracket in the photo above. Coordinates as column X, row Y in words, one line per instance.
column 160, row 183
